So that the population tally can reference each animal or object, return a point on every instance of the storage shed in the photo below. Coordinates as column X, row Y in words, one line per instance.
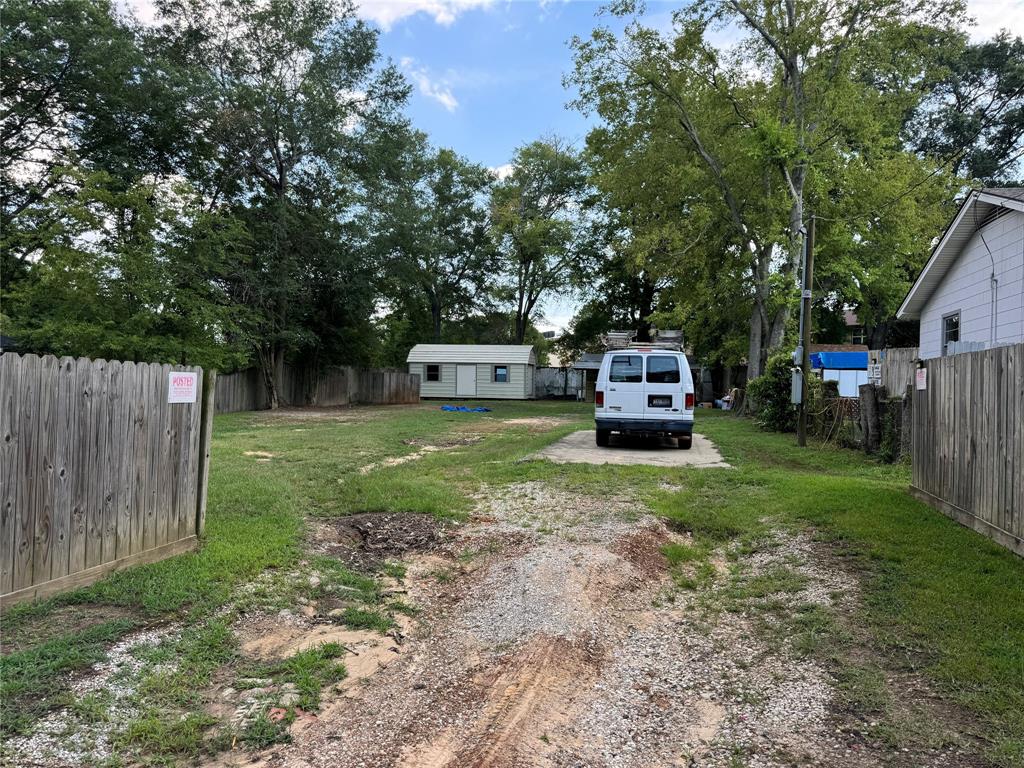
column 483, row 371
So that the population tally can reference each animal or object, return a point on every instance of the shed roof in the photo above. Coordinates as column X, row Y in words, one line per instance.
column 974, row 211
column 472, row 353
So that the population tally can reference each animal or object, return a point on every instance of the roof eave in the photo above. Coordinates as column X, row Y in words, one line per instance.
column 912, row 304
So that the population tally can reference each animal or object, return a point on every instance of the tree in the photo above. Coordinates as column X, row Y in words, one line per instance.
column 767, row 118
column 138, row 275
column 974, row 116
column 432, row 231
column 300, row 118
column 542, row 226
column 83, row 89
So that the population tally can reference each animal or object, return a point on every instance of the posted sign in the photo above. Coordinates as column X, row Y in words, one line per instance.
column 921, row 378
column 182, row 386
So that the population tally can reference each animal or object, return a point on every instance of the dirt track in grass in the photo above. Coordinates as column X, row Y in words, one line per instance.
column 550, row 634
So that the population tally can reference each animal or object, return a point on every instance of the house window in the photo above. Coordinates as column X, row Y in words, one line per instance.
column 433, row 373
column 501, row 374
column 950, row 330
column 627, row 369
column 662, row 369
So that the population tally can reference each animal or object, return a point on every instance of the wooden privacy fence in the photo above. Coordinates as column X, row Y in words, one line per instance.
column 968, row 441
column 344, row 385
column 99, row 470
column 898, row 366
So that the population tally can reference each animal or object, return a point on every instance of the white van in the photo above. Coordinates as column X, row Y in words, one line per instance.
column 644, row 391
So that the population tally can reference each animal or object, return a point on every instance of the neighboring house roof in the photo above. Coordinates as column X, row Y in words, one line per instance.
column 975, row 209
column 847, row 361
column 472, row 353
column 837, row 348
column 850, row 317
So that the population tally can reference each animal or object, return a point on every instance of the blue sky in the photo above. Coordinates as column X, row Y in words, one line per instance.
column 491, row 79
column 488, row 73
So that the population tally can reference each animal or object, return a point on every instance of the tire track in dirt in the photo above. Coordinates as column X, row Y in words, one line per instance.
column 530, row 694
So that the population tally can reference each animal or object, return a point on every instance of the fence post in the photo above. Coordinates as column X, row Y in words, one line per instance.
column 869, row 418
column 205, row 435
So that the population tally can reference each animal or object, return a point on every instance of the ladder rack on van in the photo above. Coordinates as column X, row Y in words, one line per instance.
column 670, row 340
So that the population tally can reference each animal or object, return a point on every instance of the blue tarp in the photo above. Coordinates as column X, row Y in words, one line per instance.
column 843, row 361
column 464, row 409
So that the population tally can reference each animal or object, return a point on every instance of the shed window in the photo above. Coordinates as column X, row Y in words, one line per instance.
column 501, row 374
column 433, row 373
column 662, row 369
column 950, row 330
column 627, row 369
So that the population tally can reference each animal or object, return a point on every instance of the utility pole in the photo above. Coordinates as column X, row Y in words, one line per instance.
column 805, row 332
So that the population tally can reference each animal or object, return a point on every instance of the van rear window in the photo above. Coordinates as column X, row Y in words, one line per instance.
column 662, row 369
column 627, row 369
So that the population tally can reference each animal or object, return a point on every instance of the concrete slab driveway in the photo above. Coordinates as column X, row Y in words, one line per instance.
column 580, row 448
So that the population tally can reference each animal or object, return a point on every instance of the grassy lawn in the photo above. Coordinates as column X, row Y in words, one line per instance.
column 939, row 600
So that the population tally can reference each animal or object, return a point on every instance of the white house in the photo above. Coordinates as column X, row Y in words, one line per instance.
column 485, row 371
column 970, row 294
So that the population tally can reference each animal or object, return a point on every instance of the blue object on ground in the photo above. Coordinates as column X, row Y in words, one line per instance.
column 465, row 409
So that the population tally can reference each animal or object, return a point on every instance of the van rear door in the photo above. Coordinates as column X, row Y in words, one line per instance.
column 625, row 392
column 663, row 388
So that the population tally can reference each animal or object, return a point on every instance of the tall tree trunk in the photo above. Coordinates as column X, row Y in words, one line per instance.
column 520, row 328
column 754, row 348
column 435, row 315
column 271, row 365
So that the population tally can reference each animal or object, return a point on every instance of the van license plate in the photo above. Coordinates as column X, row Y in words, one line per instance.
column 659, row 402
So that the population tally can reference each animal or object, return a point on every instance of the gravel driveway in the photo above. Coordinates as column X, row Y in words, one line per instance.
column 550, row 635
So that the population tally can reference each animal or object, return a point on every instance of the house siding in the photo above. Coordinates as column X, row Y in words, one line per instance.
column 966, row 288
column 518, row 386
column 443, row 388
column 510, row 390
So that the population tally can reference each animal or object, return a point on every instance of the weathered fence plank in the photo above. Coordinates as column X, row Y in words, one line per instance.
column 968, row 442
column 46, row 447
column 99, row 471
column 344, row 385
column 25, row 473
column 10, row 403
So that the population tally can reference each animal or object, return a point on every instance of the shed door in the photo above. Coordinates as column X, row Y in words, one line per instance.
column 465, row 381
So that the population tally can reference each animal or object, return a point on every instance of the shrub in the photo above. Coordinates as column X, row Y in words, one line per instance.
column 770, row 394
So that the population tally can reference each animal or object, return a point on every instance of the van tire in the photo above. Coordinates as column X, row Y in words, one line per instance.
column 685, row 442
column 602, row 437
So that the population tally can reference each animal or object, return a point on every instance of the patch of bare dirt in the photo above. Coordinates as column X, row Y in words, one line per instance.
column 440, row 444
column 365, row 541
column 643, row 549
column 528, row 693
column 537, row 423
column 336, row 414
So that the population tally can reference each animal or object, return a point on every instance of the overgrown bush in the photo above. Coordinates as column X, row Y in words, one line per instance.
column 769, row 394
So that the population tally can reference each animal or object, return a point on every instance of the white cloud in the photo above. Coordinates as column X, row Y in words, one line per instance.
column 437, row 89
column 444, row 12
column 502, row 172
column 995, row 15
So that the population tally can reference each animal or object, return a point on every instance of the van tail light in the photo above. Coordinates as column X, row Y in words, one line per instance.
column 689, row 401
column 599, row 398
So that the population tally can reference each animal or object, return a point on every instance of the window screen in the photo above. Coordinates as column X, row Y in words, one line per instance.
column 433, row 373
column 662, row 369
column 627, row 369
column 950, row 330
column 501, row 374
